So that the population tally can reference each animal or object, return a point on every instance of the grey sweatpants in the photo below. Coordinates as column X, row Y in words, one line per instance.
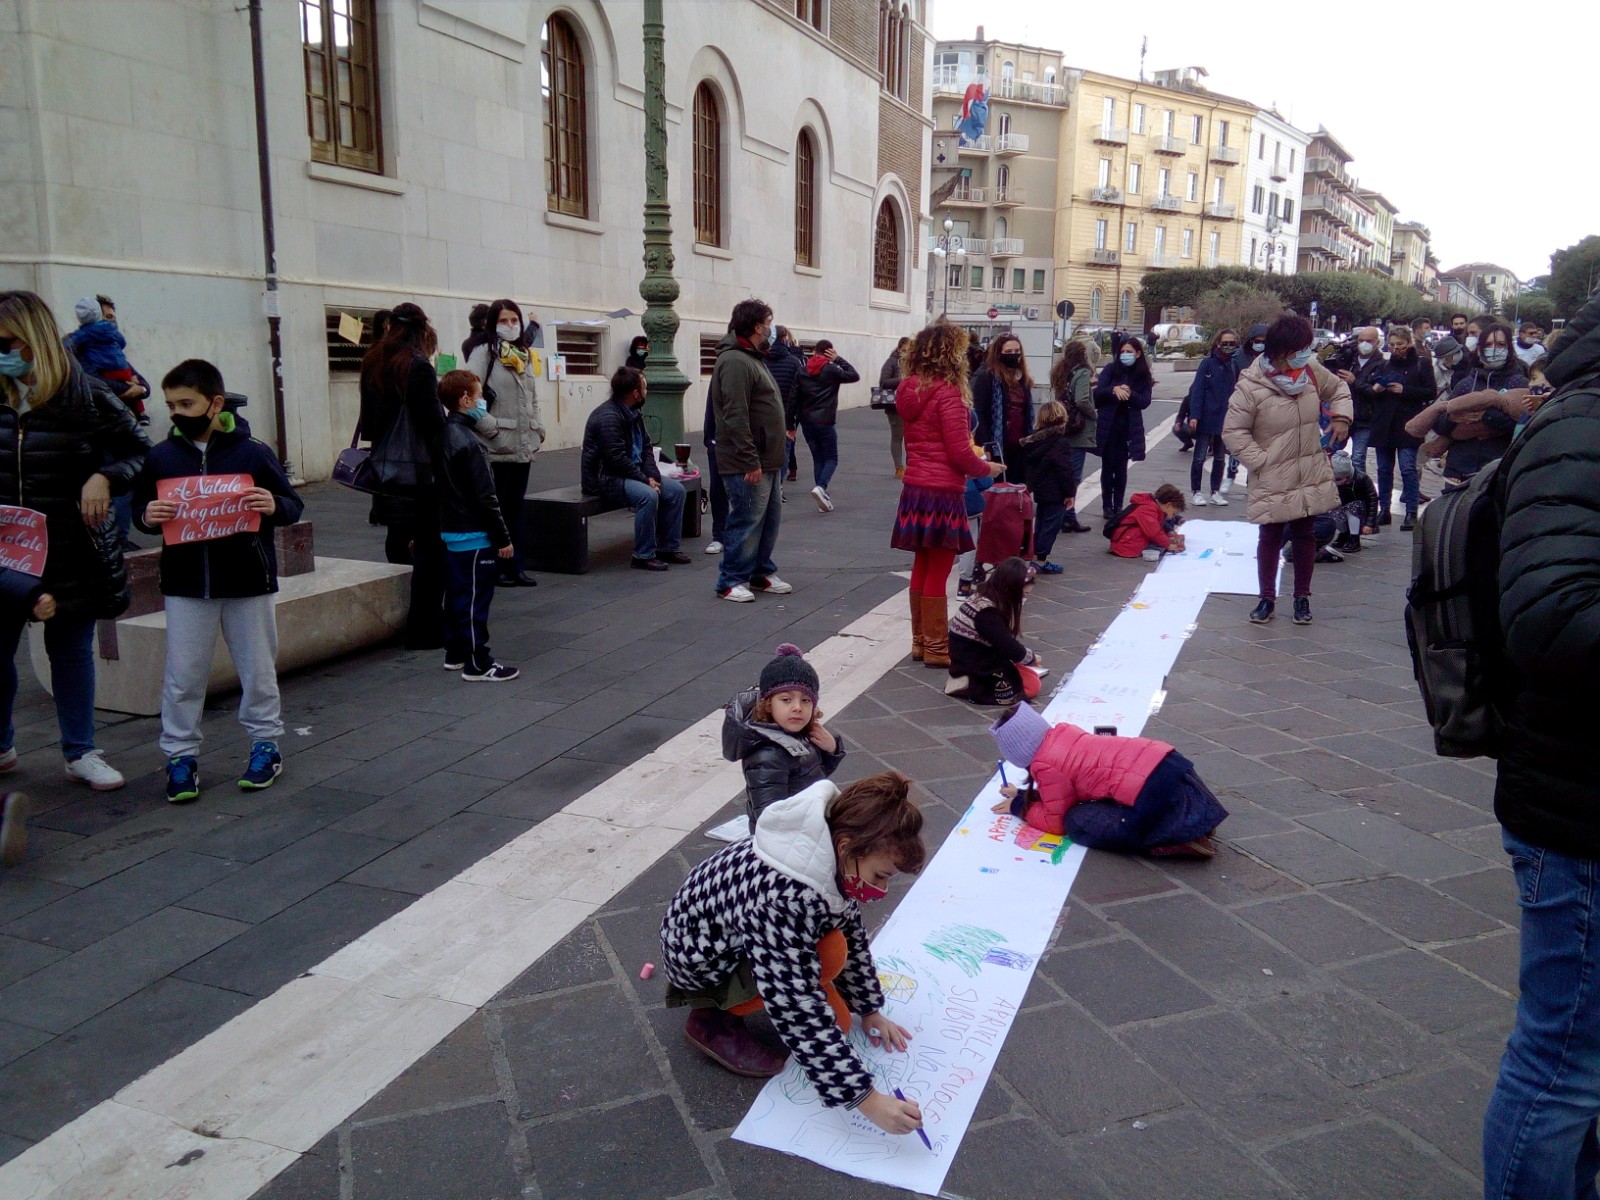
column 250, row 628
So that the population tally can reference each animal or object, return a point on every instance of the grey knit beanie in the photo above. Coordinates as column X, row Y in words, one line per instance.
column 790, row 672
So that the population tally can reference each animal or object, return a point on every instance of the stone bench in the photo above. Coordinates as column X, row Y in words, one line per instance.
column 325, row 607
column 556, row 523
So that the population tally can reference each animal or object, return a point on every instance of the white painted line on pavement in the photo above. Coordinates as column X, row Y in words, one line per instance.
column 244, row 1103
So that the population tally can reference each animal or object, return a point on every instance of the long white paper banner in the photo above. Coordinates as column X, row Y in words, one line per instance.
column 957, row 956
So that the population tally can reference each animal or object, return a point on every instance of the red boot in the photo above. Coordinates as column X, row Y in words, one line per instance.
column 723, row 1038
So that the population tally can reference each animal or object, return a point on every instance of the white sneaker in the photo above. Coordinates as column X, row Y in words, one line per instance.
column 1219, row 499
column 739, row 594
column 1226, row 484
column 821, row 497
column 8, row 760
column 772, row 585
column 93, row 769
column 713, row 547
column 1199, row 500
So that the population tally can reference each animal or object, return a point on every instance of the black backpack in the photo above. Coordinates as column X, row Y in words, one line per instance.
column 1115, row 523
column 1453, row 617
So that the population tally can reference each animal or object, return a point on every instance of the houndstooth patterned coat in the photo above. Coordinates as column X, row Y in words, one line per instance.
column 767, row 901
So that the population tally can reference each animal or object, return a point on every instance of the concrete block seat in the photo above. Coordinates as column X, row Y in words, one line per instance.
column 325, row 607
column 557, row 525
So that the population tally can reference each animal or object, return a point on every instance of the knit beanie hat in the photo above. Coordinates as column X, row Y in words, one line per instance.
column 1019, row 734
column 790, row 672
column 87, row 310
column 1344, row 468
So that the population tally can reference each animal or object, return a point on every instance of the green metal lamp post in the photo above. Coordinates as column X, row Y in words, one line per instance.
column 659, row 289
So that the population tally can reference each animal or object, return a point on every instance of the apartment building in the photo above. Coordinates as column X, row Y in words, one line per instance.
column 1497, row 285
column 1383, row 215
column 1330, row 211
column 1275, row 167
column 1408, row 253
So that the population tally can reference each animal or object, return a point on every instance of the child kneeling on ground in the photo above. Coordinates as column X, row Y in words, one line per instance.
column 225, row 582
column 1131, row 795
column 1147, row 526
column 775, row 732
column 988, row 662
column 774, row 921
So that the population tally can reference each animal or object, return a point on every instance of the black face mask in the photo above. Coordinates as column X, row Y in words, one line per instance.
column 193, row 428
column 1011, row 360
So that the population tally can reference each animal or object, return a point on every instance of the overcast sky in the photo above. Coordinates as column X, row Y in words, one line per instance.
column 1474, row 120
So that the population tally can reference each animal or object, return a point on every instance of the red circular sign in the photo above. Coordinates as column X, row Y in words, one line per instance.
column 993, row 313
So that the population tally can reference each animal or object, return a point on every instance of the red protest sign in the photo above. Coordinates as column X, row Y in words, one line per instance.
column 209, row 507
column 24, row 541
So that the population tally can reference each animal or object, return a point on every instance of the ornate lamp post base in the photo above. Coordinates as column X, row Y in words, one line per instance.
column 659, row 289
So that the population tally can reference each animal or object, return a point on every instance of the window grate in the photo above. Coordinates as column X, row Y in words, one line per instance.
column 886, row 250
column 344, row 358
column 805, row 166
column 708, row 354
column 581, row 349
column 707, row 167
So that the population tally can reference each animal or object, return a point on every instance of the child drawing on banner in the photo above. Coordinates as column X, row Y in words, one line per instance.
column 988, row 662
column 1131, row 795
column 774, row 730
column 1147, row 527
column 774, row 921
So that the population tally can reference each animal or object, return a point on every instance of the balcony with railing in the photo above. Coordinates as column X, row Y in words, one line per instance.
column 1105, row 195
column 981, row 144
column 1162, row 144
column 1011, row 143
column 967, row 194
column 1278, row 174
column 959, row 245
column 1328, row 167
column 1328, row 206
column 1322, row 243
column 1005, row 248
column 1166, row 203
column 1009, row 196
column 1225, row 154
column 952, row 80
column 1110, row 135
column 1222, row 212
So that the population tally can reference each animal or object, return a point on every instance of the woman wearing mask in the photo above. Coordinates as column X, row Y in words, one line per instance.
column 638, row 353
column 1479, row 417
column 1361, row 378
column 1002, row 394
column 1274, row 425
column 398, row 376
column 888, row 380
column 1072, row 383
column 1214, row 381
column 67, row 445
column 1120, row 398
column 505, row 365
column 1403, row 389
column 932, row 518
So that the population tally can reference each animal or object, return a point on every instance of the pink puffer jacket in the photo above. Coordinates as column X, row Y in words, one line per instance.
column 939, row 453
column 1073, row 766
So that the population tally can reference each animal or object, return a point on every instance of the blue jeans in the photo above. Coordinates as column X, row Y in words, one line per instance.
column 1359, row 440
column 1047, row 523
column 824, row 443
column 468, row 588
column 657, row 516
column 1207, row 445
column 69, row 641
column 1408, row 478
column 1539, row 1130
column 718, row 496
column 754, row 513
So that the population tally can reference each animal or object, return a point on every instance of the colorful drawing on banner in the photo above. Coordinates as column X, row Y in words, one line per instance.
column 962, row 946
column 1052, row 845
column 897, row 987
column 1009, row 958
column 209, row 507
column 1207, row 553
column 24, row 540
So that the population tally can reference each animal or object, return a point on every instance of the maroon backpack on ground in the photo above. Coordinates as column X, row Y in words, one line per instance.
column 1007, row 524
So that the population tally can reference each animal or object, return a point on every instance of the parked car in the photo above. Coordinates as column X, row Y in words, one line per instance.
column 1171, row 336
column 1326, row 337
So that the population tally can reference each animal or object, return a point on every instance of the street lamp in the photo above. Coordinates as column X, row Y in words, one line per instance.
column 950, row 246
column 1269, row 250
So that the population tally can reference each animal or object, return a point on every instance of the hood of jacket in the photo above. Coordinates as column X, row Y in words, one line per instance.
column 792, row 836
column 1575, row 351
column 742, row 733
column 1045, row 434
column 815, row 363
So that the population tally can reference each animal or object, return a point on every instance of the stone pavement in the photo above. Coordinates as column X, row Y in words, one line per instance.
column 1317, row 1013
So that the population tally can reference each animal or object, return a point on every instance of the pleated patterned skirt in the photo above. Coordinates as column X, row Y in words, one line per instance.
column 929, row 519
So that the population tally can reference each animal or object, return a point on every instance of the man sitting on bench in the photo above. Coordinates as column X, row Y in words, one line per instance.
column 619, row 466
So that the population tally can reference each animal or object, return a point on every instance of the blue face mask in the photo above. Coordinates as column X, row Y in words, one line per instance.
column 478, row 411
column 1299, row 360
column 1127, row 360
column 13, row 365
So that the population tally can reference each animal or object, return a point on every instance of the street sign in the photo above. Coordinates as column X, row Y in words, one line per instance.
column 993, row 313
column 1065, row 309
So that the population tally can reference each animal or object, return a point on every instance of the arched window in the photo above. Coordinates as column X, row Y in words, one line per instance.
column 809, row 11
column 1125, row 308
column 999, row 228
column 894, row 48
column 805, row 200
column 564, row 88
column 1002, row 182
column 1005, row 124
column 707, row 166
column 886, row 250
column 1096, row 305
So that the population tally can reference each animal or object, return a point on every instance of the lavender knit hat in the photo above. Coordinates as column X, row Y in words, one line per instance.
column 1019, row 734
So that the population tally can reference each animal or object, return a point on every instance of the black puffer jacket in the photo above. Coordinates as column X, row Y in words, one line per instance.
column 46, row 456
column 467, row 499
column 1414, row 374
column 1363, row 388
column 1549, row 775
column 608, row 452
column 776, row 764
column 816, row 395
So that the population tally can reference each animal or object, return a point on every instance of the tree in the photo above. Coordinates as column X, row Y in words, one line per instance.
column 1573, row 275
column 1183, row 286
column 1535, row 306
column 1237, row 305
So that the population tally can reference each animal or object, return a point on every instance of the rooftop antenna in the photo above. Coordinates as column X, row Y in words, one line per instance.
column 1144, row 44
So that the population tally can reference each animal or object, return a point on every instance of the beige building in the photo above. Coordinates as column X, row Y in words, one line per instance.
column 1497, row 285
column 1383, row 215
column 1329, row 211
column 1151, row 176
column 1408, row 253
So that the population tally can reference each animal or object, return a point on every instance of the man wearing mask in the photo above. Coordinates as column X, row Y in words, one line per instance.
column 1530, row 347
column 1458, row 326
column 619, row 464
column 751, row 450
column 638, row 353
column 1255, row 343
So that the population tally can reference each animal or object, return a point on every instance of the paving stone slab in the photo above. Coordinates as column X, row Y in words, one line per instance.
column 713, row 1098
column 89, row 813
column 89, row 860
column 1416, row 807
column 1017, row 1160
column 1380, row 753
column 418, row 806
column 545, row 790
column 1367, row 1160
column 1344, row 1036
column 251, row 838
column 22, row 894
column 1310, row 857
column 1184, row 1156
column 618, row 1152
column 513, row 757
column 1231, row 877
column 1120, row 982
column 578, row 960
column 1454, row 780
column 262, row 889
column 1444, row 1108
column 1317, row 930
column 1105, row 878
column 1212, row 947
column 21, row 958
column 1427, row 991
column 17, row 1040
column 1400, row 849
column 1494, row 958
column 459, row 1152
column 438, row 855
column 315, row 1175
column 574, row 1049
column 1412, row 910
column 1492, row 892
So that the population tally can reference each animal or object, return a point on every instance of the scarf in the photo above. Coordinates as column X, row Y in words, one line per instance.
column 1292, row 382
column 513, row 358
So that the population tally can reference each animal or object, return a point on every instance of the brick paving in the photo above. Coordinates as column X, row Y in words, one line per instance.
column 1316, row 1013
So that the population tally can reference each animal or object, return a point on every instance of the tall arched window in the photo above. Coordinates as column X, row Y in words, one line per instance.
column 1125, row 308
column 886, row 250
column 707, row 166
column 1000, row 228
column 1002, row 181
column 805, row 200
column 1096, row 305
column 894, row 47
column 564, row 88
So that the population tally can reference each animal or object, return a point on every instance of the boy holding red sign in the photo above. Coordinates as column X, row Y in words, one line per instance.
column 219, row 572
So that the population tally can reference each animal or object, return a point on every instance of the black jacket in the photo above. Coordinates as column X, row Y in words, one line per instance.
column 1049, row 459
column 1548, row 791
column 245, row 564
column 1414, row 374
column 608, row 454
column 46, row 456
column 1363, row 393
column 816, row 397
column 889, row 374
column 776, row 764
column 1467, row 456
column 467, row 500
column 381, row 404
column 786, row 364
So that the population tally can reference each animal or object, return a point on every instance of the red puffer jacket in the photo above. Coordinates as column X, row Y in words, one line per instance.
column 939, row 453
column 1073, row 765
column 1144, row 527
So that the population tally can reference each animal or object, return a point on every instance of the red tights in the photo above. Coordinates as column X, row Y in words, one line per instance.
column 930, row 572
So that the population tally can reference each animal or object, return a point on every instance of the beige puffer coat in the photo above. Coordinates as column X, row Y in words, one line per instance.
column 1278, row 438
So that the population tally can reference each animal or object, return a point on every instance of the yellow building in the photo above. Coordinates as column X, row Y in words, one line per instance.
column 1151, row 176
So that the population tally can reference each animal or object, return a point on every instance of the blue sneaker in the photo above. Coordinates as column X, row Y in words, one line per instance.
column 183, row 779
column 1048, row 568
column 265, row 765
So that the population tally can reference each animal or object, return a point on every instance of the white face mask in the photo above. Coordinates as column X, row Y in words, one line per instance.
column 509, row 332
column 1365, row 349
column 1472, row 342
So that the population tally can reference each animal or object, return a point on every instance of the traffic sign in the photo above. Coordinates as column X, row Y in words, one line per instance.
column 993, row 313
column 1065, row 309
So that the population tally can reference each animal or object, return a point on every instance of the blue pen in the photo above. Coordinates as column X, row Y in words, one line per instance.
column 921, row 1133
column 1001, row 763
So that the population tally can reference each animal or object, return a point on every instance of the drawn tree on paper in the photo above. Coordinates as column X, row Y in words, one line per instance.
column 962, row 946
